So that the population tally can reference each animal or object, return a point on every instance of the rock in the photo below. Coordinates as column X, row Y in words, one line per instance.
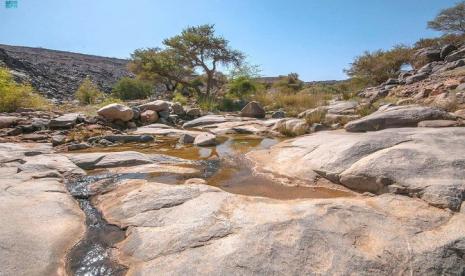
column 278, row 114
column 446, row 101
column 291, row 127
column 338, row 118
column 253, row 109
column 41, row 124
column 78, row 146
column 149, row 116
column 208, row 120
column 446, row 50
column 456, row 55
column 186, row 139
column 157, row 106
column 317, row 127
column 177, row 109
column 375, row 161
column 129, row 138
column 164, row 130
column 195, row 181
column 460, row 113
column 438, row 123
column 136, row 113
column 164, row 114
column 66, row 121
column 89, row 161
column 416, row 78
column 342, row 107
column 116, row 112
column 104, row 142
column 8, row 121
column 35, row 137
column 205, row 140
column 397, row 116
column 460, row 87
column 58, row 140
column 193, row 112
column 391, row 81
column 227, row 234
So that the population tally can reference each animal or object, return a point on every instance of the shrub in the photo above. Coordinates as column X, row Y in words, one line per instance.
column 208, row 103
column 132, row 89
column 242, row 86
column 14, row 95
column 88, row 92
column 178, row 97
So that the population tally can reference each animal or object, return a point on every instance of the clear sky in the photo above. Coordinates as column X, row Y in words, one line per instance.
column 315, row 38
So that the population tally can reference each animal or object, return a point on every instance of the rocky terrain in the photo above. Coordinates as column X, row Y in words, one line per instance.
column 155, row 187
column 58, row 74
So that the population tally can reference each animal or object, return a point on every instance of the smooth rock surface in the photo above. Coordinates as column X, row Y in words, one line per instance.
column 156, row 106
column 253, row 109
column 205, row 139
column 97, row 160
column 397, row 116
column 116, row 112
column 420, row 162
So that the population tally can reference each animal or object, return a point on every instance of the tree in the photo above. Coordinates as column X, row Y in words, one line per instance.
column 161, row 66
column 451, row 20
column 88, row 92
column 200, row 47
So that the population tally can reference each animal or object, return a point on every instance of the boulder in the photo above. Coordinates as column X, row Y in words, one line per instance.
column 460, row 113
column 58, row 140
column 198, row 229
column 416, row 78
column 66, row 121
column 156, row 106
column 208, row 120
column 205, row 140
column 116, row 111
column 124, row 138
column 291, row 127
column 8, row 121
column 253, row 109
column 149, row 116
column 438, row 123
column 397, row 116
column 446, row 50
column 89, row 161
column 419, row 162
column 186, row 139
column 193, row 112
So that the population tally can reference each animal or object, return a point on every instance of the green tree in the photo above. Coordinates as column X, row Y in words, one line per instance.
column 200, row 47
column 132, row 89
column 88, row 92
column 451, row 20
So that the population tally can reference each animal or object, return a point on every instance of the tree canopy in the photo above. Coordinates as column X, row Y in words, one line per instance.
column 451, row 20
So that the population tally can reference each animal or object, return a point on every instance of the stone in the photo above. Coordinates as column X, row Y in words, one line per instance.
column 40, row 123
column 195, row 181
column 66, row 121
column 199, row 229
column 291, row 127
column 438, row 123
column 156, row 106
column 253, row 109
column 186, row 139
column 446, row 50
column 416, row 78
column 136, row 113
column 8, row 121
column 420, row 162
column 78, row 146
column 460, row 113
column 89, row 161
column 58, row 140
column 149, row 116
column 339, row 118
column 278, row 114
column 177, row 109
column 456, row 55
column 460, row 87
column 397, row 116
column 205, row 140
column 124, row 138
column 209, row 120
column 391, row 81
column 116, row 111
column 164, row 130
column 193, row 112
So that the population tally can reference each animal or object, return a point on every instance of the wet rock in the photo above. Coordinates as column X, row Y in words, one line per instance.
column 227, row 234
column 205, row 140
column 91, row 161
column 253, row 109
column 438, row 123
column 374, row 161
column 186, row 139
column 157, row 106
column 149, row 116
column 397, row 116
column 66, row 121
column 115, row 112
column 8, row 121
column 278, row 114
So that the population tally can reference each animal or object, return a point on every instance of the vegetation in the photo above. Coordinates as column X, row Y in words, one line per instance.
column 14, row 95
column 290, row 83
column 132, row 89
column 88, row 93
column 451, row 20
column 178, row 97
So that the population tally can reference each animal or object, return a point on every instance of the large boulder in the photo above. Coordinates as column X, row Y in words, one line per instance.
column 199, row 229
column 253, row 109
column 397, row 116
column 157, row 106
column 116, row 112
column 420, row 162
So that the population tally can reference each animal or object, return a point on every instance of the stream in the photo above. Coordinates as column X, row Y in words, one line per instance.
column 223, row 166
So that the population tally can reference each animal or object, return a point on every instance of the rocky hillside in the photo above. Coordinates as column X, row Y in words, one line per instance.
column 57, row 74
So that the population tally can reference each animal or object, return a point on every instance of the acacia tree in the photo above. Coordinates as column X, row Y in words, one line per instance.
column 451, row 20
column 160, row 66
column 201, row 48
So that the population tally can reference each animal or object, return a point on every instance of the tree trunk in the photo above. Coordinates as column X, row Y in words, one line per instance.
column 209, row 83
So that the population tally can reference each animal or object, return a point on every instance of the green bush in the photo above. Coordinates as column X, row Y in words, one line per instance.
column 241, row 87
column 132, row 89
column 178, row 97
column 14, row 95
column 88, row 93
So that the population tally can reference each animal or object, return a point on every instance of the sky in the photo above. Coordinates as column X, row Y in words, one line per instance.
column 315, row 38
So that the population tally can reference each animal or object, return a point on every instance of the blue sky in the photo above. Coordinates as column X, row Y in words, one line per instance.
column 315, row 38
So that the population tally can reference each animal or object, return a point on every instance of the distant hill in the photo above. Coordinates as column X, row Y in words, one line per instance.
column 57, row 74
column 271, row 80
